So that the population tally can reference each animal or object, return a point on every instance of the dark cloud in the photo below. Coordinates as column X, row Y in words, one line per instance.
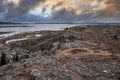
column 70, row 15
column 2, row 6
column 64, row 14
column 73, row 10
column 23, row 7
column 28, row 18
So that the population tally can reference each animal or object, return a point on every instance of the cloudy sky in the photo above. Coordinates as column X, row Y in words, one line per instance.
column 60, row 10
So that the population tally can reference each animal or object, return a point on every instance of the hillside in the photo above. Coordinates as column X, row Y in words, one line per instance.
column 78, row 53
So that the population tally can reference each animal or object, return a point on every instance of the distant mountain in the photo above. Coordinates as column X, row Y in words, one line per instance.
column 7, row 23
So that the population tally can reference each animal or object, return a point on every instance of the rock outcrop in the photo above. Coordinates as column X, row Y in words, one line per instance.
column 78, row 53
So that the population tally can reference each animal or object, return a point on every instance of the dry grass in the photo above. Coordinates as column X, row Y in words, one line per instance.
column 1, row 45
column 81, row 52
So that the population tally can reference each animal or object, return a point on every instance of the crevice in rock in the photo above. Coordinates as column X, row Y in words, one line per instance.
column 3, row 61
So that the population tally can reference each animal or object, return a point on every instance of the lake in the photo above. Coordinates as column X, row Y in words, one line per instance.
column 20, row 28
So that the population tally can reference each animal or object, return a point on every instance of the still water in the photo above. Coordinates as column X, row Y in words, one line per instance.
column 20, row 28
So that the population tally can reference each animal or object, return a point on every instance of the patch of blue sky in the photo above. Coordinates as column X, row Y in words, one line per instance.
column 39, row 12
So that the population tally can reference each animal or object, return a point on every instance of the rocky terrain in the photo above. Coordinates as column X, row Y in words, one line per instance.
column 78, row 53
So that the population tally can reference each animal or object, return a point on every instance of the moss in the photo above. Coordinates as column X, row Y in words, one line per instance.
column 78, row 28
column 66, row 29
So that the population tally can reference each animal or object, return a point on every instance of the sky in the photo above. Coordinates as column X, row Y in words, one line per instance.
column 60, row 10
